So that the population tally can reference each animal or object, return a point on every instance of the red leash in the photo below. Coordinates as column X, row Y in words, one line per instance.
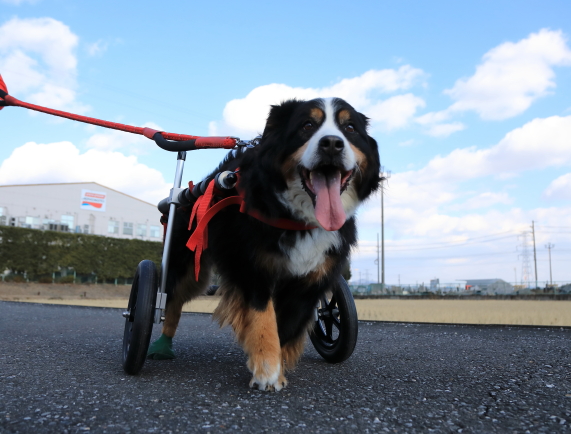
column 200, row 142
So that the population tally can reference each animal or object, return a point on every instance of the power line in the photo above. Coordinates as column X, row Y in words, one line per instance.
column 452, row 244
column 556, row 227
column 463, row 241
column 458, row 256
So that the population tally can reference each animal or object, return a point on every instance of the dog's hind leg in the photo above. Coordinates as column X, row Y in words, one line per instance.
column 186, row 289
column 257, row 333
column 293, row 350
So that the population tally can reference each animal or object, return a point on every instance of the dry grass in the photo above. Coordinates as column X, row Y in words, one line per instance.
column 515, row 312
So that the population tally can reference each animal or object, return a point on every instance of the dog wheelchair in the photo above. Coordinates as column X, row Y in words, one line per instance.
column 335, row 329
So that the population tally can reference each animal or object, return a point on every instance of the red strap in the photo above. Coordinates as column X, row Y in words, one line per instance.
column 291, row 225
column 164, row 222
column 198, row 241
column 3, row 88
column 203, row 211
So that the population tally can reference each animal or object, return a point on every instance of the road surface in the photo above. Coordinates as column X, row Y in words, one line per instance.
column 60, row 372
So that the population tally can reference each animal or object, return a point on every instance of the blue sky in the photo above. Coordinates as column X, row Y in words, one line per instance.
column 470, row 103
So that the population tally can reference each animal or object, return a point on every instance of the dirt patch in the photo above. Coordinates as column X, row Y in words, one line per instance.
column 509, row 312
column 116, row 296
column 40, row 291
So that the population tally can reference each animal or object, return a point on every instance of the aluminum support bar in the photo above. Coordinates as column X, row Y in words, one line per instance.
column 159, row 311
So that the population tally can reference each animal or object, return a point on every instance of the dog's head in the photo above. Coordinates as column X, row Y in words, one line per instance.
column 319, row 159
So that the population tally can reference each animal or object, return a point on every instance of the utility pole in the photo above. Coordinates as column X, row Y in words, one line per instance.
column 515, row 275
column 525, row 261
column 534, row 251
column 377, row 261
column 384, row 177
column 549, row 246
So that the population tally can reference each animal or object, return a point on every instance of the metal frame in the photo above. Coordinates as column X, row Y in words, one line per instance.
column 173, row 202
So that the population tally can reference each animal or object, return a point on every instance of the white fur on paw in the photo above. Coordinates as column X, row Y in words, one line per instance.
column 267, row 378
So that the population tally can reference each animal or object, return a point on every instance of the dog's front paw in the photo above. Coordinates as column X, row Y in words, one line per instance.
column 267, row 377
column 161, row 349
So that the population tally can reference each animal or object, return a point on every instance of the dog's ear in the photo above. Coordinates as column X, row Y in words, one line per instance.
column 280, row 114
column 364, row 119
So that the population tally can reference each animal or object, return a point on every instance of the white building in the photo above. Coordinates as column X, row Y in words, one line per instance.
column 489, row 286
column 81, row 207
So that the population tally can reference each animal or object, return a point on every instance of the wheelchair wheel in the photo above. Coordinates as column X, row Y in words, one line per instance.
column 334, row 334
column 139, row 317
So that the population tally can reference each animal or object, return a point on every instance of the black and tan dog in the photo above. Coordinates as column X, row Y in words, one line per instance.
column 315, row 164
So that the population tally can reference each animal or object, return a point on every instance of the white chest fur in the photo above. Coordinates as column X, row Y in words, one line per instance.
column 308, row 252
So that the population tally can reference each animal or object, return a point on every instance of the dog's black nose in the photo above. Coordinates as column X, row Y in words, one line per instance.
column 331, row 145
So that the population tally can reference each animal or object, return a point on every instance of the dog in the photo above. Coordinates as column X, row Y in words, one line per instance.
column 314, row 165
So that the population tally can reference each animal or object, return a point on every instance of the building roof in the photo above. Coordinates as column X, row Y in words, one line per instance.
column 80, row 183
column 483, row 281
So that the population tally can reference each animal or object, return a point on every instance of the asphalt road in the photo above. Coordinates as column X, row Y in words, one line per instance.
column 60, row 371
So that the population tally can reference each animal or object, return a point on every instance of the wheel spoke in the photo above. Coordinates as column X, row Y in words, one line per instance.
column 332, row 302
column 335, row 321
column 328, row 329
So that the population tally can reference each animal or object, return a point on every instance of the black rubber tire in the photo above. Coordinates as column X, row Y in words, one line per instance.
column 334, row 334
column 139, row 325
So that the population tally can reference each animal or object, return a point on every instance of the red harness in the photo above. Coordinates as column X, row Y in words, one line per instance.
column 205, row 208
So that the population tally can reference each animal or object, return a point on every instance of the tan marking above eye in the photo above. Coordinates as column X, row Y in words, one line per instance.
column 343, row 116
column 317, row 114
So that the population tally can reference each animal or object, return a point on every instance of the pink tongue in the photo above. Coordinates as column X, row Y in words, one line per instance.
column 329, row 210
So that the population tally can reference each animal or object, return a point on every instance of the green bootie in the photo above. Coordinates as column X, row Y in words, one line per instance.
column 161, row 349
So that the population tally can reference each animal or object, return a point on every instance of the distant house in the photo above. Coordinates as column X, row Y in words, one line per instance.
column 80, row 207
column 489, row 286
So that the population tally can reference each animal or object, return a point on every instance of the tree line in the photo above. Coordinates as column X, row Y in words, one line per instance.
column 38, row 253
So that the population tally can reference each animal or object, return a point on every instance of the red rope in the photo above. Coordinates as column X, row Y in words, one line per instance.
column 106, row 124
column 200, row 142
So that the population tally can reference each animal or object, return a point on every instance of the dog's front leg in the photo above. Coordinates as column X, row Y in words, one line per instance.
column 258, row 335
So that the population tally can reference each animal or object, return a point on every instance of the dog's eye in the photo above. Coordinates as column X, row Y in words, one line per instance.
column 308, row 126
column 350, row 128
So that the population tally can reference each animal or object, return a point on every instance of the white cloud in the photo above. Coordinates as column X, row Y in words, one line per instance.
column 246, row 117
column 509, row 79
column 395, row 112
column 38, row 62
column 485, row 200
column 512, row 76
column 538, row 144
column 18, row 2
column 35, row 163
column 407, row 143
column 433, row 117
column 444, row 130
column 560, row 188
column 425, row 202
column 97, row 48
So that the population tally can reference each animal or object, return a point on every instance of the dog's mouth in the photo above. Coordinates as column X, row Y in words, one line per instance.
column 324, row 185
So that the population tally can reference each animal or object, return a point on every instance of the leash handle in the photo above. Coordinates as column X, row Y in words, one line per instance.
column 181, row 142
